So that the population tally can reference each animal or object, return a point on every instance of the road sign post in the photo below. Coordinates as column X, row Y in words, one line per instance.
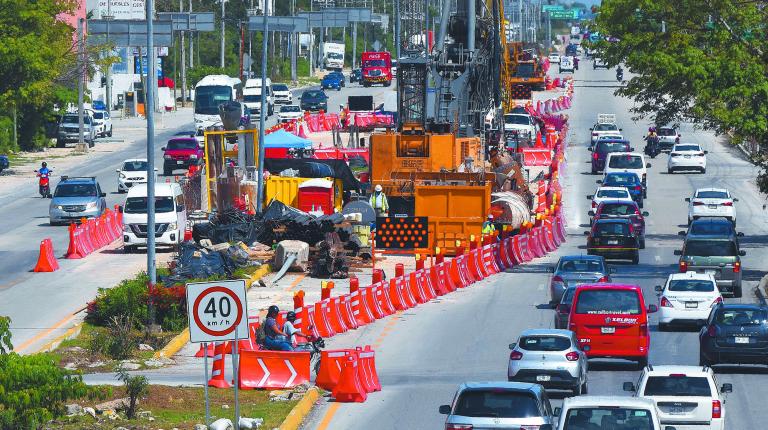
column 218, row 312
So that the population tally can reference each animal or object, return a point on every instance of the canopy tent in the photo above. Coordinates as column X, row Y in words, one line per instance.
column 283, row 139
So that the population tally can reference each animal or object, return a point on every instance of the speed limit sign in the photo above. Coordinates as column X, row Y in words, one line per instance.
column 217, row 311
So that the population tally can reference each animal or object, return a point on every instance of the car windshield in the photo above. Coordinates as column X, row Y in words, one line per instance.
column 208, row 99
column 335, row 56
column 622, row 180
column 98, row 115
column 687, row 148
column 626, row 162
column 313, row 94
column 712, row 228
column 607, row 147
column 618, row 209
column 607, row 301
column 496, row 403
column 75, row 190
column 73, row 119
column 664, row 131
column 135, row 166
column 252, row 98
column 603, row 417
column 374, row 63
column 677, row 385
column 182, row 144
column 711, row 195
column 710, row 248
column 739, row 317
column 568, row 296
column 611, row 229
column 605, row 127
column 580, row 265
column 691, row 285
column 610, row 137
column 138, row 205
column 517, row 119
column 544, row 343
column 616, row 194
column 279, row 87
column 291, row 108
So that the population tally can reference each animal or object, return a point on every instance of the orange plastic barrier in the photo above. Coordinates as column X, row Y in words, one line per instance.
column 335, row 316
column 321, row 319
column 459, row 278
column 367, row 369
column 46, row 261
column 305, row 320
column 395, row 292
column 273, row 369
column 345, row 309
column 419, row 287
column 360, row 309
column 437, row 275
column 405, row 290
column 369, row 298
column 217, row 374
column 331, row 362
column 349, row 388
column 382, row 298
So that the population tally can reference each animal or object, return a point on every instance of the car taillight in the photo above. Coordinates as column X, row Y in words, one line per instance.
column 698, row 203
column 717, row 409
column 594, row 155
column 557, row 278
column 572, row 327
column 638, row 188
column 594, row 205
column 594, row 133
column 644, row 330
column 712, row 331
column 515, row 355
column 727, row 203
column 665, row 303
column 674, row 154
column 458, row 427
column 572, row 356
column 683, row 267
column 644, row 177
column 716, row 302
column 736, row 267
column 603, row 279
column 700, row 154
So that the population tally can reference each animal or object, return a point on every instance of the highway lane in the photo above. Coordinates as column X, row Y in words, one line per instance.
column 423, row 354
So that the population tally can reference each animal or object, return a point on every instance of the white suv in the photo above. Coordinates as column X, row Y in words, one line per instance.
column 687, row 298
column 607, row 412
column 716, row 202
column 609, row 193
column 686, row 396
column 632, row 162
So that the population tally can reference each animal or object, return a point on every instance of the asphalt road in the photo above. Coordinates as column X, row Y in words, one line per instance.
column 425, row 353
column 24, row 223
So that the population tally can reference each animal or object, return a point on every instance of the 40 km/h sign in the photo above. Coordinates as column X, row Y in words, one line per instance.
column 218, row 311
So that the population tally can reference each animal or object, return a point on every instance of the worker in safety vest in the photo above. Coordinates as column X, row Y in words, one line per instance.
column 488, row 226
column 379, row 202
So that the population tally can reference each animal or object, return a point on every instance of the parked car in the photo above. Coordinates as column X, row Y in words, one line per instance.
column 711, row 202
column 735, row 334
column 718, row 255
column 572, row 270
column 76, row 198
column 103, row 123
column 550, row 358
column 608, row 413
column 685, row 396
column 603, row 148
column 289, row 113
column 687, row 156
column 69, row 130
column 355, row 75
column 614, row 239
column 132, row 172
column 628, row 180
column 282, row 94
column 331, row 81
column 170, row 216
column 613, row 209
column 686, row 299
column 314, row 100
column 609, row 193
column 180, row 153
column 4, row 163
column 499, row 405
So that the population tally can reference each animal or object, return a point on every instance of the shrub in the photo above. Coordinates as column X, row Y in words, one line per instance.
column 135, row 387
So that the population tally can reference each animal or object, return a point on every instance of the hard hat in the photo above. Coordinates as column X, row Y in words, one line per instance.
column 490, row 216
column 378, row 188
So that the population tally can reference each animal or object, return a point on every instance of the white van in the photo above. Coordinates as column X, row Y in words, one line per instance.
column 633, row 162
column 608, row 412
column 567, row 64
column 252, row 95
column 170, row 216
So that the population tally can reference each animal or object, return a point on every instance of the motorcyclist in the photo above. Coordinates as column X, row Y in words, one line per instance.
column 44, row 170
column 652, row 142
column 43, row 184
column 291, row 331
column 275, row 339
column 619, row 74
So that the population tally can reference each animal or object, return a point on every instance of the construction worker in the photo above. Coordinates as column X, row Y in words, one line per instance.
column 468, row 166
column 488, row 226
column 379, row 202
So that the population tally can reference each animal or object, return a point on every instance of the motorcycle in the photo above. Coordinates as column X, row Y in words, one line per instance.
column 44, row 184
column 313, row 345
column 619, row 75
column 652, row 148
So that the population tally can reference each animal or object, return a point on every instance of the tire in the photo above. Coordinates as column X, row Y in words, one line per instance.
column 61, row 143
column 110, row 132
column 663, row 326
column 338, row 88
column 594, row 172
column 560, row 70
column 737, row 292
column 91, row 143
column 577, row 390
column 642, row 243
column 636, row 258
column 704, row 171
column 129, row 249
column 584, row 389
column 670, row 170
column 640, row 203
column 642, row 362
column 366, row 84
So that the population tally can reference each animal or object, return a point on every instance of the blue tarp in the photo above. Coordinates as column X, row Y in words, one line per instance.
column 283, row 139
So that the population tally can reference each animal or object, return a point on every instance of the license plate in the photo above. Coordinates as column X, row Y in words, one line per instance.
column 712, row 206
column 612, row 242
column 687, row 156
column 741, row 339
column 608, row 330
column 710, row 272
column 676, row 411
column 543, row 378
column 180, row 162
column 691, row 304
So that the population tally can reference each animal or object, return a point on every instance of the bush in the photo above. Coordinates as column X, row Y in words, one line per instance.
column 135, row 387
column 128, row 298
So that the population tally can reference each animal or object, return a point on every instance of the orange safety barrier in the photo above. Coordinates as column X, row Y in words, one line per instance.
column 437, row 274
column 305, row 320
column 321, row 319
column 444, row 271
column 345, row 310
column 331, row 362
column 46, row 261
column 360, row 309
column 367, row 369
column 395, row 292
column 370, row 364
column 489, row 260
column 334, row 316
column 349, row 388
column 549, row 237
column 422, row 289
column 273, row 369
column 217, row 374
column 511, row 252
column 76, row 248
column 405, row 290
column 382, row 298
column 367, row 294
column 506, row 258
column 525, row 247
column 466, row 273
column 474, row 267
column 458, row 278
column 533, row 245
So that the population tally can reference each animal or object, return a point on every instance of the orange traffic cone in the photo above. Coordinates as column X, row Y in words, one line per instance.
column 349, row 388
column 46, row 262
column 217, row 375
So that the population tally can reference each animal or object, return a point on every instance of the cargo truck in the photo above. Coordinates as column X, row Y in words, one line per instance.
column 332, row 55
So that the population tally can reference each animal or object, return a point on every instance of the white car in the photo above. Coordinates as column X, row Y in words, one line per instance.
column 520, row 123
column 686, row 397
column 567, row 64
column 711, row 202
column 554, row 58
column 606, row 124
column 289, row 113
column 687, row 298
column 103, row 123
column 132, row 172
column 609, row 193
column 608, row 412
column 668, row 137
column 632, row 162
column 687, row 156
column 281, row 94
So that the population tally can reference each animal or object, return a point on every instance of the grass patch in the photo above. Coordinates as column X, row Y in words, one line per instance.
column 183, row 407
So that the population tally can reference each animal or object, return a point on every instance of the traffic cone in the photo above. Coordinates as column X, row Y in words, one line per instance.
column 46, row 261
column 349, row 388
column 217, row 374
column 208, row 352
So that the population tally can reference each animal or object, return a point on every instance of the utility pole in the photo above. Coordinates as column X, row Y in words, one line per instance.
column 242, row 40
column 549, row 31
column 80, row 63
column 262, row 110
column 149, row 100
column 222, row 33
column 108, row 89
column 191, row 43
column 397, row 29
column 183, row 60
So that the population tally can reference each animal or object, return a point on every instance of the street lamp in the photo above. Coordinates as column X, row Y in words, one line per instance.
column 223, row 2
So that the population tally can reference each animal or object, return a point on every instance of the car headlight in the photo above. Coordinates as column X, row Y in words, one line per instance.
column 198, row 121
column 193, row 156
column 126, row 228
column 59, row 207
column 172, row 226
column 121, row 175
column 90, row 205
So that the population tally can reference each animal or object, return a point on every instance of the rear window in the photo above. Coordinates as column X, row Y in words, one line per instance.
column 611, row 229
column 545, row 343
column 677, row 386
column 279, row 87
column 603, row 301
column 687, row 148
column 313, row 94
column 576, row 265
column 617, row 209
column 603, row 417
column 517, row 119
column 606, row 147
column 712, row 195
column 496, row 404
column 710, row 248
column 691, row 285
column 626, row 162
column 622, row 179
column 739, row 317
column 616, row 194
column 605, row 127
column 713, row 228
column 290, row 108
column 182, row 144
column 666, row 132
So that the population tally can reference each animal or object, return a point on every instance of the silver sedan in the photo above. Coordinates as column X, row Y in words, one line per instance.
column 572, row 270
column 551, row 358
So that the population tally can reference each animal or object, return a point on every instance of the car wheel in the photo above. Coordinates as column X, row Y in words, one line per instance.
column 110, row 132
column 338, row 88
column 584, row 389
column 577, row 390
column 737, row 292
column 91, row 143
column 642, row 362
column 594, row 172
column 60, row 143
column 663, row 326
column 640, row 204
column 636, row 258
column 703, row 170
column 129, row 249
column 670, row 170
column 642, row 243
column 703, row 360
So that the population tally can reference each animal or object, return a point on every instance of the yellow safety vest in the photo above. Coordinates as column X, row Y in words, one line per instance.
column 488, row 227
column 379, row 201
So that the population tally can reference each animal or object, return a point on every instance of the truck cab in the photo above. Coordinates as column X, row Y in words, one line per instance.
column 376, row 68
column 252, row 96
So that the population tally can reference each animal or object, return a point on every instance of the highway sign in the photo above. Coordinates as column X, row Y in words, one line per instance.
column 217, row 311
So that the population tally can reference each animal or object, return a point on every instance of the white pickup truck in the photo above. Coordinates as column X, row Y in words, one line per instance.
column 521, row 124
column 606, row 124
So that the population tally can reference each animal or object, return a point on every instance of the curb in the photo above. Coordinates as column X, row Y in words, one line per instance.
column 181, row 339
column 296, row 416
column 71, row 333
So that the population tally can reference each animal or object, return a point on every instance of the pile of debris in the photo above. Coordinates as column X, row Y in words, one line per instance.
column 198, row 261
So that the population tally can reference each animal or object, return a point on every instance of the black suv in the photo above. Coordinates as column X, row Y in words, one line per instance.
column 714, row 226
column 718, row 254
column 614, row 238
column 735, row 333
column 314, row 100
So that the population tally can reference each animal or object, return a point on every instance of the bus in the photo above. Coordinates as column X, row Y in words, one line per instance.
column 212, row 91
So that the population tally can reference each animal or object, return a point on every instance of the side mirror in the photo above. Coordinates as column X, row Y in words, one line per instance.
column 735, row 200
column 103, row 194
column 658, row 288
column 628, row 386
column 512, row 345
column 599, row 181
column 678, row 252
column 621, row 129
column 688, row 199
column 742, row 253
column 445, row 409
column 558, row 411
column 163, row 148
column 590, row 197
column 646, row 213
column 586, row 233
column 681, row 233
column 591, row 128
column 706, row 152
column 116, row 170
column 652, row 309
column 647, row 164
column 590, row 149
column 591, row 213
column 740, row 234
column 726, row 388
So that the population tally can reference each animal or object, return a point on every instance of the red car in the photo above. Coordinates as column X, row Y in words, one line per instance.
column 628, row 209
column 180, row 153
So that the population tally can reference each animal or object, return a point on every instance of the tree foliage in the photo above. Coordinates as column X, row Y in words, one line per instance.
column 694, row 60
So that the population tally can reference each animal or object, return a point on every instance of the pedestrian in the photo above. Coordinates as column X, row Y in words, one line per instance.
column 379, row 201
column 468, row 166
column 275, row 339
column 488, row 226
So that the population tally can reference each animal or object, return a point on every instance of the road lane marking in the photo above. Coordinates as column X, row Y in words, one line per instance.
column 328, row 416
column 42, row 335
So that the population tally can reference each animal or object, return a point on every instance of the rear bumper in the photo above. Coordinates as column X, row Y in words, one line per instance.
column 627, row 253
column 683, row 317
column 558, row 378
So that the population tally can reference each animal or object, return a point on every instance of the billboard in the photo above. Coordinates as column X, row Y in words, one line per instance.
column 120, row 9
